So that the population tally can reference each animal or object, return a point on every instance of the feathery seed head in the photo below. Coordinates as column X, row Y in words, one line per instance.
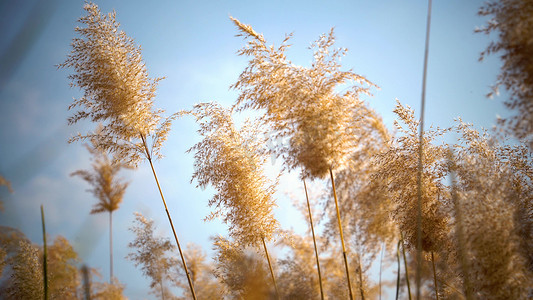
column 104, row 185
column 303, row 104
column 396, row 176
column 494, row 188
column 108, row 67
column 232, row 160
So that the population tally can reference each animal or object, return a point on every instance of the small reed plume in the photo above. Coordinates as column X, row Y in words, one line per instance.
column 106, row 187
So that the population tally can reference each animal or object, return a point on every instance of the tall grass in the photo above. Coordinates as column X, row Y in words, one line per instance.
column 341, row 234
column 491, row 182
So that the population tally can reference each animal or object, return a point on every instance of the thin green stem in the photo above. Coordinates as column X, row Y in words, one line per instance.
column 341, row 235
column 270, row 267
column 314, row 242
column 148, row 156
column 45, row 257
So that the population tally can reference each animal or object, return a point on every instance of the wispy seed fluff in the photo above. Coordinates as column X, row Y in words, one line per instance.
column 395, row 177
column 495, row 195
column 105, row 185
column 109, row 68
column 232, row 162
column 305, row 106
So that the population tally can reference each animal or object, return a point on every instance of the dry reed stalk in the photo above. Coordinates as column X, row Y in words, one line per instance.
column 341, row 234
column 405, row 264
column 420, row 161
column 360, row 271
column 314, row 242
column 434, row 276
column 399, row 269
column 271, row 270
column 149, row 157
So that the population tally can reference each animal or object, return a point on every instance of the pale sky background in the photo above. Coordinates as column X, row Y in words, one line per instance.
column 193, row 45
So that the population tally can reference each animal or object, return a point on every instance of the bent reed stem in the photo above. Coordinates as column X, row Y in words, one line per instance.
column 270, row 267
column 314, row 241
column 341, row 234
column 148, row 156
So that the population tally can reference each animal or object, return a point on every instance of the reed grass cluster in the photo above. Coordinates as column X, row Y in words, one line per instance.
column 458, row 214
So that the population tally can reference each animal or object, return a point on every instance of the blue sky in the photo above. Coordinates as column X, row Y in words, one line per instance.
column 193, row 45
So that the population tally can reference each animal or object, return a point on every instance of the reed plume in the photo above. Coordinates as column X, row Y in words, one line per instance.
column 240, row 270
column 396, row 174
column 494, row 187
column 323, row 127
column 117, row 91
column 106, row 187
column 302, row 105
column 232, row 162
column 109, row 68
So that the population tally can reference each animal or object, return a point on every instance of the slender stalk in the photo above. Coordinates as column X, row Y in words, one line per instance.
column 271, row 271
column 314, row 242
column 420, row 160
column 380, row 264
column 162, row 290
column 399, row 269
column 45, row 258
column 148, row 156
column 86, row 282
column 341, row 235
column 453, row 288
column 111, row 247
column 406, row 269
column 434, row 276
column 361, row 279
